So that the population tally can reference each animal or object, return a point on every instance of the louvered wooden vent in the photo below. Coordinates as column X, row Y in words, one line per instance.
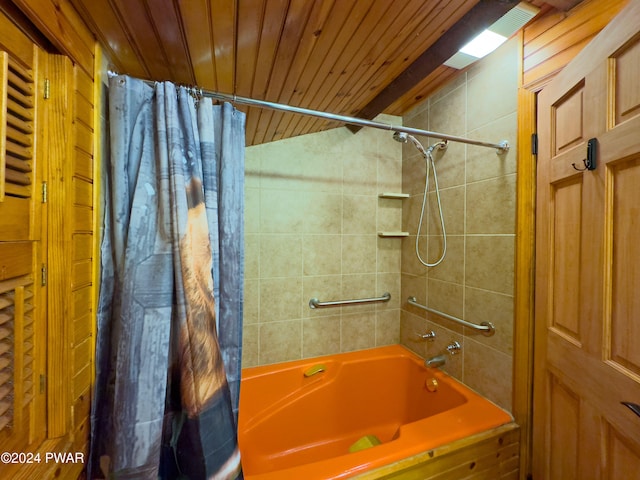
column 7, row 310
column 16, row 349
column 16, row 129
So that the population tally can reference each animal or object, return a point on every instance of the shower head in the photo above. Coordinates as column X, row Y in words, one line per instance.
column 400, row 137
column 404, row 137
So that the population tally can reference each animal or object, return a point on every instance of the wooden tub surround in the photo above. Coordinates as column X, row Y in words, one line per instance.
column 301, row 419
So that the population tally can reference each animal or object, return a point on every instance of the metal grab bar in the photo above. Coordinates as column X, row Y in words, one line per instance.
column 486, row 328
column 315, row 303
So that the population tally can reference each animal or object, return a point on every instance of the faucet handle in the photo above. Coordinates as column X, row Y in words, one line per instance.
column 430, row 336
column 454, row 347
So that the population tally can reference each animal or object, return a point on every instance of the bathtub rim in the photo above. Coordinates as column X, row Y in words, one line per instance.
column 361, row 468
column 393, row 350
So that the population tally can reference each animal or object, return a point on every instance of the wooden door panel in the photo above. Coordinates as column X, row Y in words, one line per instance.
column 564, row 436
column 566, row 225
column 626, row 71
column 623, row 323
column 561, row 168
column 589, row 377
column 13, row 211
column 567, row 120
column 15, row 259
column 622, row 455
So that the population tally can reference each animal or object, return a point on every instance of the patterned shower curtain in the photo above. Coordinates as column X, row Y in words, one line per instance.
column 170, row 309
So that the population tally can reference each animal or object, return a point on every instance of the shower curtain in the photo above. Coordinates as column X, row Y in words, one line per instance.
column 170, row 308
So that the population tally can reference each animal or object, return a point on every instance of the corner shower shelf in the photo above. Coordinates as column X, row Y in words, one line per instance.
column 393, row 234
column 399, row 196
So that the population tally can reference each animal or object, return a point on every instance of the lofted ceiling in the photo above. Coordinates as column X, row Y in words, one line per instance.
column 349, row 57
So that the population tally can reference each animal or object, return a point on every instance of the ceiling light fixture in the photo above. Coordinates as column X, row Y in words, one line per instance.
column 494, row 36
column 483, row 44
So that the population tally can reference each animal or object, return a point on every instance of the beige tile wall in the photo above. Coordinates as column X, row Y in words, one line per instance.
column 475, row 281
column 312, row 215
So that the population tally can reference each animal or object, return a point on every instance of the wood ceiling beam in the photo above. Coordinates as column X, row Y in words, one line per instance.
column 563, row 5
column 481, row 16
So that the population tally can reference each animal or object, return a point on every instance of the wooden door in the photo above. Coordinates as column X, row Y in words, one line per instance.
column 587, row 337
column 22, row 330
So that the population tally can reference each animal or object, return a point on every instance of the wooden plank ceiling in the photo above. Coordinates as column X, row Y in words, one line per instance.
column 331, row 55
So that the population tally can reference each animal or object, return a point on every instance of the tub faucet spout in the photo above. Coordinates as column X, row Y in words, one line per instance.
column 435, row 362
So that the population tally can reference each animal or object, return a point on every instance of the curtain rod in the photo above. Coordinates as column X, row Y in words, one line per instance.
column 502, row 147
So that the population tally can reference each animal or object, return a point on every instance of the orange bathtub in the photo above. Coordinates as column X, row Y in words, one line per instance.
column 295, row 427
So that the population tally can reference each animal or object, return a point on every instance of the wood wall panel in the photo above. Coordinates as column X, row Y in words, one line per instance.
column 82, row 219
column 82, row 326
column 84, row 138
column 81, row 275
column 85, row 85
column 82, row 246
column 81, row 302
column 61, row 24
column 84, row 110
column 82, row 192
column 554, row 39
column 83, row 165
column 82, row 350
